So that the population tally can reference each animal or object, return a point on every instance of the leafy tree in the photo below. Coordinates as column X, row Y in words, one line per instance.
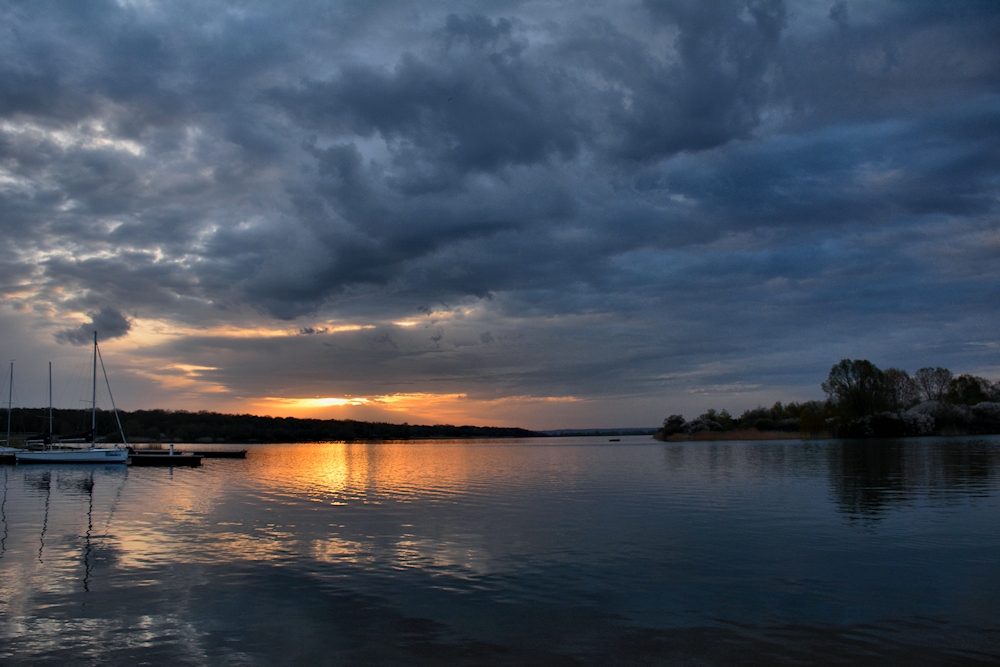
column 856, row 388
column 968, row 390
column 901, row 391
column 759, row 418
column 673, row 424
column 812, row 417
column 709, row 421
column 932, row 382
column 725, row 420
column 791, row 410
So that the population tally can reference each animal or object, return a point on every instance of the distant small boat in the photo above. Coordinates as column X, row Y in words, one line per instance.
column 614, row 439
column 92, row 454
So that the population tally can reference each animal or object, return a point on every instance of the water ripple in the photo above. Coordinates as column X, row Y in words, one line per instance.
column 520, row 552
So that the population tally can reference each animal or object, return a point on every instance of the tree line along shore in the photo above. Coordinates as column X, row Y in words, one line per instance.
column 862, row 401
column 148, row 426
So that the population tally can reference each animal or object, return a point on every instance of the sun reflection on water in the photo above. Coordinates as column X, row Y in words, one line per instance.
column 466, row 533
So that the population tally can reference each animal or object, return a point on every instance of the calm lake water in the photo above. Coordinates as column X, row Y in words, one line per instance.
column 564, row 551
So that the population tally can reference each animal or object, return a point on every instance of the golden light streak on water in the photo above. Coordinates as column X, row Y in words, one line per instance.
column 872, row 553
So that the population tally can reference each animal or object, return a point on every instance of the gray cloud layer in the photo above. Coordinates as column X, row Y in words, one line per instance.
column 107, row 322
column 633, row 199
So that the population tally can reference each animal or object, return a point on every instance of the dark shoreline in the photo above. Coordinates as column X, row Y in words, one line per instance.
column 163, row 426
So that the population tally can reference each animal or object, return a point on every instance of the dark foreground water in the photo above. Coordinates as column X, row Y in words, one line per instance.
column 528, row 552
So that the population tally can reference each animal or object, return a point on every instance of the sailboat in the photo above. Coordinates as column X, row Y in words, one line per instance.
column 6, row 451
column 47, row 439
column 92, row 454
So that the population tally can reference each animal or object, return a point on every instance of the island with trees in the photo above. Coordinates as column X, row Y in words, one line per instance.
column 862, row 401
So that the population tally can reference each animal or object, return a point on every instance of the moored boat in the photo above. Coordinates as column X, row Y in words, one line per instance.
column 91, row 454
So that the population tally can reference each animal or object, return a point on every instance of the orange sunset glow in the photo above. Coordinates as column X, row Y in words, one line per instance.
column 436, row 408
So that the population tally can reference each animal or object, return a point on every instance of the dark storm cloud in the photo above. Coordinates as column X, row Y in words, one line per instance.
column 477, row 105
column 107, row 323
column 889, row 60
column 713, row 94
column 941, row 162
column 706, row 184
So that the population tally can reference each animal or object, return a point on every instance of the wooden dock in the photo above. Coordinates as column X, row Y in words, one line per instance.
column 161, row 458
column 219, row 453
column 204, row 453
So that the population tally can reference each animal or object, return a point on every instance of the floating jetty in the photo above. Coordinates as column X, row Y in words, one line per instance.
column 7, row 454
column 160, row 458
column 204, row 453
column 219, row 453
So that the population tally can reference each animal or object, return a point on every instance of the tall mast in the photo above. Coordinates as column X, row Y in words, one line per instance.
column 93, row 407
column 50, row 402
column 10, row 396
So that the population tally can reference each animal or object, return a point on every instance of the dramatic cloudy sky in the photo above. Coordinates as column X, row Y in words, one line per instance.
column 549, row 214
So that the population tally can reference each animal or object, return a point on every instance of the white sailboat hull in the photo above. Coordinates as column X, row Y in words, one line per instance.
column 92, row 454
column 96, row 455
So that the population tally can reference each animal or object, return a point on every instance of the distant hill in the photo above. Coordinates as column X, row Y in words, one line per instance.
column 183, row 426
